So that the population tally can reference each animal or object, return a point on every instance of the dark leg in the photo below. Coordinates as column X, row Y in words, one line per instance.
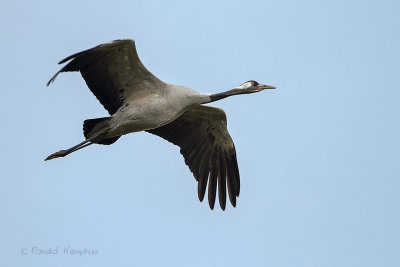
column 63, row 153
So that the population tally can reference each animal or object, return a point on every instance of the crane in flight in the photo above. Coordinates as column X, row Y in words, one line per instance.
column 138, row 101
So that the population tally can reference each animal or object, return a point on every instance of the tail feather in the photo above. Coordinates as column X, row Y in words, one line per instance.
column 89, row 125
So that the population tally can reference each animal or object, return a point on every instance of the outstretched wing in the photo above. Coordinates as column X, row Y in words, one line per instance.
column 208, row 149
column 114, row 73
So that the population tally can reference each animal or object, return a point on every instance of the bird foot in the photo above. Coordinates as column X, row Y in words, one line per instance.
column 61, row 153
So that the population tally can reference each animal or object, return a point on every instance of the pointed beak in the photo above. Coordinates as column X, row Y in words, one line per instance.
column 263, row 86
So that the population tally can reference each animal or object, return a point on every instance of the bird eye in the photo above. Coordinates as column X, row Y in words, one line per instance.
column 252, row 82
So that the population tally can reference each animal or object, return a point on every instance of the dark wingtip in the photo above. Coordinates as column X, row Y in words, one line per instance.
column 232, row 200
column 201, row 196
column 61, row 62
column 72, row 56
column 49, row 82
column 202, row 180
column 222, row 205
column 211, row 205
column 66, row 59
column 52, row 79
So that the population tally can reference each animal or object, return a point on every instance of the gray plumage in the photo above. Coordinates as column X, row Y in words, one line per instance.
column 138, row 101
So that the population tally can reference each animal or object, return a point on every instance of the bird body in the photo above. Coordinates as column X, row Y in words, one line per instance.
column 139, row 101
column 151, row 111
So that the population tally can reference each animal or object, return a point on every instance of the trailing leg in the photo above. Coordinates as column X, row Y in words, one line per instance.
column 63, row 153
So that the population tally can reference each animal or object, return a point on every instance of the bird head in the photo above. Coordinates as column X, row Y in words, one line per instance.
column 252, row 87
column 248, row 87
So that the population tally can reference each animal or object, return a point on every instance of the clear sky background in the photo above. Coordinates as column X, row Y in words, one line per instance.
column 319, row 156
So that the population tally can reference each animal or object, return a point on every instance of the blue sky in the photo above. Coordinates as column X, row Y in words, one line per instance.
column 319, row 156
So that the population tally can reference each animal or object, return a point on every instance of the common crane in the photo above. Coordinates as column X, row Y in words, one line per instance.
column 138, row 101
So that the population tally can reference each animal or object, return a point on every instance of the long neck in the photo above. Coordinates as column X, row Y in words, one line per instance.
column 206, row 98
column 219, row 96
column 200, row 98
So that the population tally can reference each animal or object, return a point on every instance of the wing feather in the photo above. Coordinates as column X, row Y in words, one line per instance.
column 212, row 184
column 208, row 150
column 113, row 72
column 222, row 183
